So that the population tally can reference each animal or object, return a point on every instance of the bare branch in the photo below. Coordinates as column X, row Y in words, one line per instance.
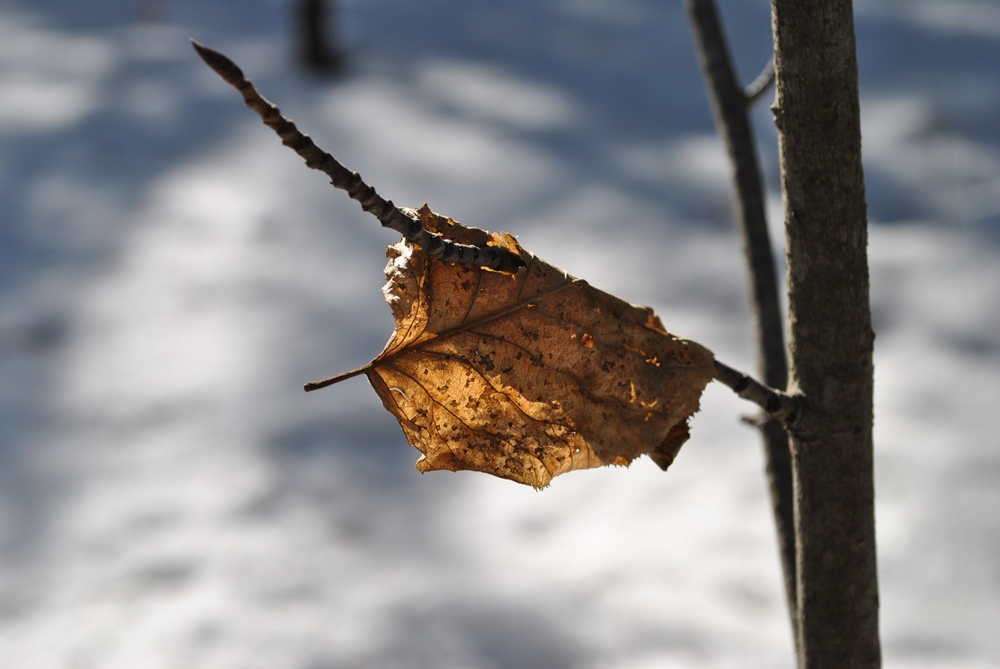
column 777, row 404
column 760, row 85
column 385, row 211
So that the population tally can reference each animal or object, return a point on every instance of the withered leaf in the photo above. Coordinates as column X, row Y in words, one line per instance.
column 531, row 375
column 524, row 376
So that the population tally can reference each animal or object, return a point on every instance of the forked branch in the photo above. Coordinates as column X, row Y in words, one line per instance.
column 385, row 211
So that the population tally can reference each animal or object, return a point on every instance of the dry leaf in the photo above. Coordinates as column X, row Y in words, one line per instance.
column 525, row 375
column 530, row 375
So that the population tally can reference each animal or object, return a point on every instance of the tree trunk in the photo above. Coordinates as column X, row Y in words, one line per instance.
column 730, row 106
column 818, row 119
column 317, row 44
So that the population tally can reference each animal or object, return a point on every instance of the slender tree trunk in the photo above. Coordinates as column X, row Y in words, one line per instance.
column 317, row 42
column 730, row 106
column 818, row 119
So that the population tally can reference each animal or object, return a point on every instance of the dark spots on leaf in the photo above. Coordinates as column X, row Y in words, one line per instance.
column 485, row 361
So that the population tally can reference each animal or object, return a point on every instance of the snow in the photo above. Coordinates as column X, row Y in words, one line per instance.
column 170, row 275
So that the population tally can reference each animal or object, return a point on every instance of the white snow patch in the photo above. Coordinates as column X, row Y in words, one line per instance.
column 48, row 80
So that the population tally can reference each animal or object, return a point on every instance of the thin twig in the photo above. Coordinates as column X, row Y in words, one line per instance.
column 776, row 404
column 730, row 106
column 760, row 85
column 436, row 246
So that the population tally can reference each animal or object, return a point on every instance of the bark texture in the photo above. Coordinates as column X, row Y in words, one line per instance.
column 730, row 106
column 831, row 338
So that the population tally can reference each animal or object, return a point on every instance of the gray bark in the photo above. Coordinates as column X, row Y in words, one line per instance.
column 818, row 119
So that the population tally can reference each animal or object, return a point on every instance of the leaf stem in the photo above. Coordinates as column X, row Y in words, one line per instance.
column 317, row 385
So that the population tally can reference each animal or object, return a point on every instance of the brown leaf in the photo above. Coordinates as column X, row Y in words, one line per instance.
column 530, row 375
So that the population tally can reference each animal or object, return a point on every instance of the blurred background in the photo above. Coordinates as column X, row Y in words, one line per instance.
column 170, row 276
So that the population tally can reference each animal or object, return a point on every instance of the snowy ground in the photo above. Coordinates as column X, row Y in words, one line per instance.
column 170, row 276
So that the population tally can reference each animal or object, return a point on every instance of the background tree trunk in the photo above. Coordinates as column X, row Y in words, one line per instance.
column 730, row 106
column 818, row 119
column 317, row 41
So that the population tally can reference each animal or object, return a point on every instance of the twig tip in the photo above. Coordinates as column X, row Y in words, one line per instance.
column 222, row 65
